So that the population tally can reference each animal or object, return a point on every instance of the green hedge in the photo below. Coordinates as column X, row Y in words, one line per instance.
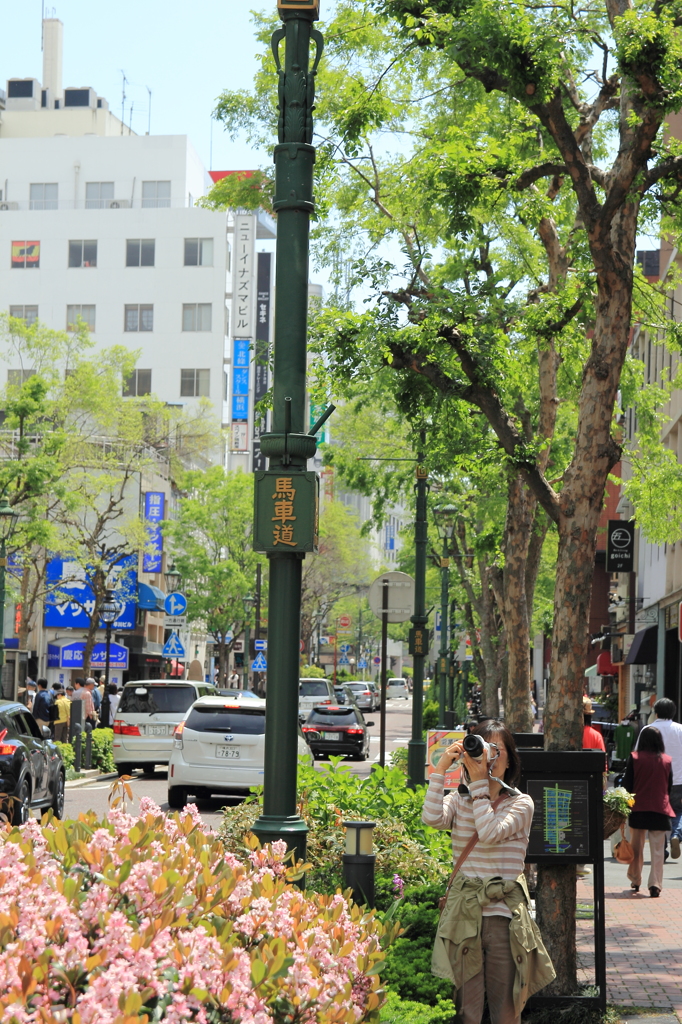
column 102, row 751
column 407, row 969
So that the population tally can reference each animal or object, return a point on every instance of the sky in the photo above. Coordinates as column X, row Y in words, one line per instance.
column 185, row 53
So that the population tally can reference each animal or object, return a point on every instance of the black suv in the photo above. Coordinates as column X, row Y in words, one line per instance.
column 331, row 729
column 31, row 768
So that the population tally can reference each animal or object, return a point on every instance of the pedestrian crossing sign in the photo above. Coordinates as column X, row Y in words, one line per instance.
column 344, row 660
column 259, row 663
column 173, row 647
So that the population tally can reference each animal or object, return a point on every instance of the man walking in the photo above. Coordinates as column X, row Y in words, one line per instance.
column 671, row 732
column 42, row 705
column 63, row 706
column 82, row 693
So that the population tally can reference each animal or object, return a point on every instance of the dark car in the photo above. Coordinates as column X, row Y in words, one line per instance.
column 343, row 694
column 333, row 729
column 31, row 768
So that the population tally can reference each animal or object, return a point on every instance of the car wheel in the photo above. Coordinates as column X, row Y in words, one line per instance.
column 177, row 797
column 22, row 804
column 149, row 769
column 57, row 804
column 360, row 756
column 125, row 768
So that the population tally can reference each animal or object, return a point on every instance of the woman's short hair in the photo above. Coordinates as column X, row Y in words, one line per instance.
column 493, row 727
column 651, row 740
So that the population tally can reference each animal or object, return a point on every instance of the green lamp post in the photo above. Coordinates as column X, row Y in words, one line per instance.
column 286, row 495
column 419, row 634
column 445, row 522
column 248, row 603
column 8, row 521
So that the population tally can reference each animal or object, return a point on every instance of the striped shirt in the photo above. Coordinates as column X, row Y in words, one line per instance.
column 503, row 833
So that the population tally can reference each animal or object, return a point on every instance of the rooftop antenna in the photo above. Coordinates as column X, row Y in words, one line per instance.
column 42, row 28
column 149, row 121
column 130, row 123
column 123, row 99
column 210, row 155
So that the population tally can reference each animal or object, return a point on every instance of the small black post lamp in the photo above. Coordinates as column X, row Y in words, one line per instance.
column 359, row 860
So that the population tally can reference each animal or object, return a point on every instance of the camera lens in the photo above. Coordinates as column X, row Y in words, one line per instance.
column 473, row 745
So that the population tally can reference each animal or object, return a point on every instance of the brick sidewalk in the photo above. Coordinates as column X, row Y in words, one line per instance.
column 643, row 946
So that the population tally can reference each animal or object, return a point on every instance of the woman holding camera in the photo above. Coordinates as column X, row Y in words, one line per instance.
column 487, row 942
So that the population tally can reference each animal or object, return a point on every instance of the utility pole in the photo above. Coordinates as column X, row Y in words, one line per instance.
column 419, row 640
column 286, row 495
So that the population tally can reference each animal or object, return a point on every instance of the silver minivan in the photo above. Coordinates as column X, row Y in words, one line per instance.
column 145, row 719
column 311, row 692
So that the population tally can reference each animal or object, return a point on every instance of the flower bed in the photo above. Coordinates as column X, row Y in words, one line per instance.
column 131, row 920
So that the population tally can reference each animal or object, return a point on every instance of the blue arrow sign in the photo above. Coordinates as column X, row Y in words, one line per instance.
column 344, row 660
column 324, row 640
column 362, row 663
column 173, row 647
column 260, row 645
column 344, row 648
column 175, row 604
column 259, row 663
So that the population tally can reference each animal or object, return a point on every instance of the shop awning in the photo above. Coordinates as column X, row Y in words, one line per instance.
column 150, row 598
column 644, row 650
column 591, row 671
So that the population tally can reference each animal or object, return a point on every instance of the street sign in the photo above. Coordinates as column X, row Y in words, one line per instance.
column 301, row 647
column 324, row 640
column 344, row 648
column 173, row 648
column 377, row 660
column 175, row 604
column 345, row 621
column 400, row 596
column 620, row 546
column 362, row 663
column 343, row 660
column 174, row 621
column 259, row 663
column 260, row 645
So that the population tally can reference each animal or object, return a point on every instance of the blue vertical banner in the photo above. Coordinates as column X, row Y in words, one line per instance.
column 240, row 379
column 154, row 504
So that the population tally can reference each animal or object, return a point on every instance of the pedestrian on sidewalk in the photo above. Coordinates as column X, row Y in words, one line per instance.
column 42, row 705
column 63, row 706
column 672, row 737
column 648, row 774
column 482, row 941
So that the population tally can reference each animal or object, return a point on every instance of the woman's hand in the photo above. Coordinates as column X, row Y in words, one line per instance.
column 449, row 755
column 477, row 770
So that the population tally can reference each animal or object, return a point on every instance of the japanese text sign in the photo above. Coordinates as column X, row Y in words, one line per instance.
column 243, row 283
column 154, row 504
column 437, row 741
column 286, row 511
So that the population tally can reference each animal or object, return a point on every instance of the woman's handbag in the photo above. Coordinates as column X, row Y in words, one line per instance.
column 462, row 857
column 623, row 851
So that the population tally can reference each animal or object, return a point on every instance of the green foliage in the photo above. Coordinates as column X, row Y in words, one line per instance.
column 242, row 190
column 102, row 750
column 408, row 963
column 312, row 672
column 431, row 714
column 397, row 1010
column 67, row 752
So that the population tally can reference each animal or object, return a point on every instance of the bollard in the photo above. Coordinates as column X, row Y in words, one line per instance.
column 450, row 720
column 359, row 861
column 76, row 717
column 88, row 746
column 77, row 746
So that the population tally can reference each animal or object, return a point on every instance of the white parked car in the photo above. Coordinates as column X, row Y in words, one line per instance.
column 219, row 747
column 312, row 692
column 396, row 688
column 146, row 716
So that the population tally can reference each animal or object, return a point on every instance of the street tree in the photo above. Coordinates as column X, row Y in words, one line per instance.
column 211, row 544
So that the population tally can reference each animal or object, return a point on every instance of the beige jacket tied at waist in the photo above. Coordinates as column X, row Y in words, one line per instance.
column 457, row 954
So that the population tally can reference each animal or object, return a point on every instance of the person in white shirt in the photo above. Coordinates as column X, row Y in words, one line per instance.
column 672, row 738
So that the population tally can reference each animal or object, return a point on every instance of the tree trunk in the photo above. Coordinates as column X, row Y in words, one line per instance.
column 26, row 612
column 520, row 514
column 222, row 663
column 490, row 644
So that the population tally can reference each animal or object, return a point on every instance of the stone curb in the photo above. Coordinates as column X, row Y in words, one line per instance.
column 88, row 777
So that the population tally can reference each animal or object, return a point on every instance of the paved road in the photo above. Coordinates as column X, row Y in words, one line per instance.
column 94, row 796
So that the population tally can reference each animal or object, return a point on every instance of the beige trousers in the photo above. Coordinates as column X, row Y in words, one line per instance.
column 657, row 850
column 496, row 980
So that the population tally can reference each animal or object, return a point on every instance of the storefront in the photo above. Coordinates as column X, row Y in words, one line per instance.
column 65, row 661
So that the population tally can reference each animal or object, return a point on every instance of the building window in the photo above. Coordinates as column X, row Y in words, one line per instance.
column 43, row 197
column 196, row 316
column 156, row 193
column 198, row 252
column 86, row 313
column 25, row 255
column 140, row 252
column 195, row 383
column 139, row 383
column 19, row 377
column 98, row 194
column 83, row 252
column 139, row 318
column 29, row 314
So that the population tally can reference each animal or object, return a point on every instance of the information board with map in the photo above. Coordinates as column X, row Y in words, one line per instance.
column 560, row 825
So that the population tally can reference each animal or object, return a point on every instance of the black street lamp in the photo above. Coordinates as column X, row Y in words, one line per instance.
column 416, row 748
column 173, row 579
column 108, row 613
column 445, row 523
column 248, row 603
column 8, row 521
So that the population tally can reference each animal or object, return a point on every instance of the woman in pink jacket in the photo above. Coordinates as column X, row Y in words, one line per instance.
column 649, row 776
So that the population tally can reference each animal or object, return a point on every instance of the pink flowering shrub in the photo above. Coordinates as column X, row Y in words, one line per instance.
column 132, row 920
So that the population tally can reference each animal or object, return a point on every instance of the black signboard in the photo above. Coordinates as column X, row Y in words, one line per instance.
column 560, row 825
column 262, row 353
column 620, row 546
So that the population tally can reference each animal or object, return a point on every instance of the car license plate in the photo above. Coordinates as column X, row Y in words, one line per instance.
column 157, row 730
column 227, row 752
column 332, row 736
